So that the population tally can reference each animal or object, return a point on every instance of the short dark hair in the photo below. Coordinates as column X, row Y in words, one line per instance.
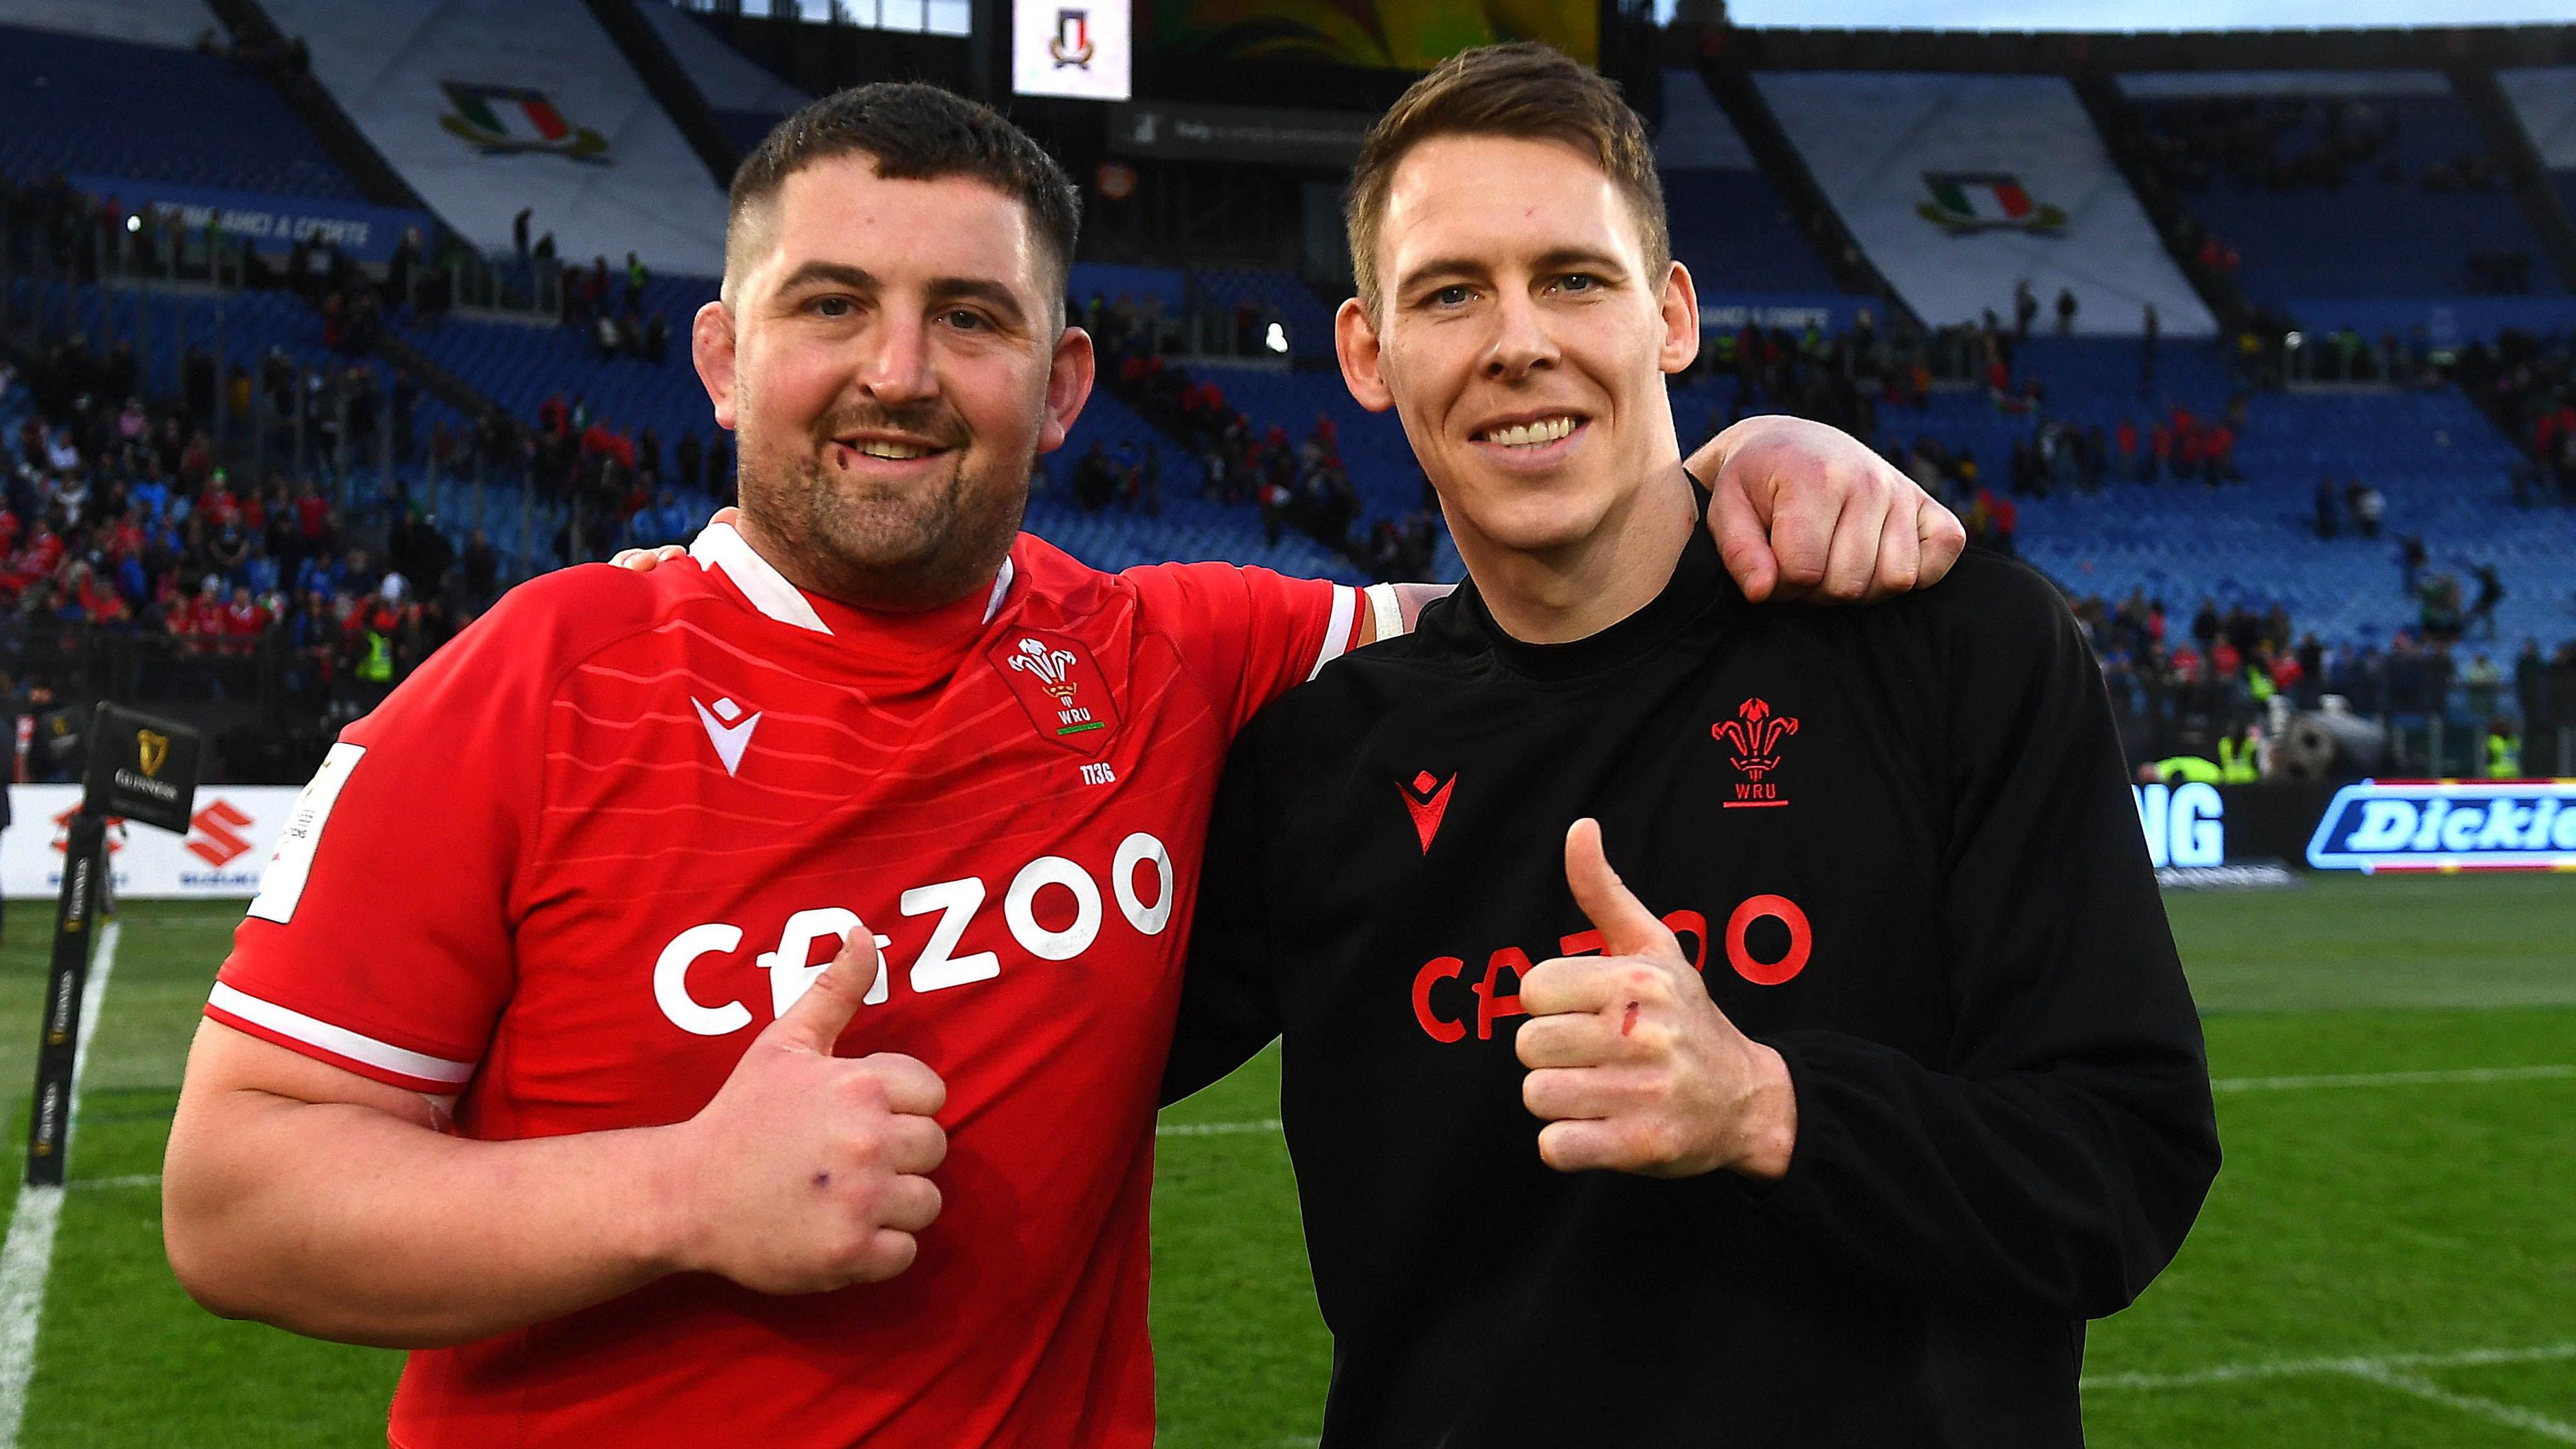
column 1524, row 90
column 915, row 132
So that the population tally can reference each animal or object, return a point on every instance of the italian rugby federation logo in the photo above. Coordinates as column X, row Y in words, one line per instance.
column 1071, row 44
column 1059, row 686
column 508, row 120
column 1753, row 741
column 1973, row 201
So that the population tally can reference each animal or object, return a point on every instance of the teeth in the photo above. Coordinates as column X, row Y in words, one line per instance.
column 876, row 449
column 1531, row 435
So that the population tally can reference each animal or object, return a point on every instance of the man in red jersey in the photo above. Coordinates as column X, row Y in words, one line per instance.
column 528, row 1056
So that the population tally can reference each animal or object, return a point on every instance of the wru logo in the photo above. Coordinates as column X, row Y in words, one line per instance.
column 1755, row 733
column 1051, row 666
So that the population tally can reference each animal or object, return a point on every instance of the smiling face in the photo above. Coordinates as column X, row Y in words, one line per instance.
column 1522, row 337
column 891, row 359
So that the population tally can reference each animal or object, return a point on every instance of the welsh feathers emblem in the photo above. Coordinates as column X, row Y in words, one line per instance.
column 1754, row 736
column 1049, row 665
column 506, row 120
column 1059, row 686
column 1973, row 201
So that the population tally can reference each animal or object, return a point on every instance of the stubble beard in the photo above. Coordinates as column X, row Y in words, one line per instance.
column 894, row 550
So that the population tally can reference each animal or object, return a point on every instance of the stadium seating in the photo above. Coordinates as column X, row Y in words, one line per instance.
column 1735, row 234
column 2441, row 465
column 1304, row 316
column 1729, row 224
column 159, row 127
column 1111, row 281
column 2373, row 235
column 1372, row 445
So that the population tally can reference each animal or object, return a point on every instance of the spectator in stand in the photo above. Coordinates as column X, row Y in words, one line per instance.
column 2328, row 512
column 2411, row 558
column 482, row 573
column 2205, row 625
column 1095, row 478
column 2066, row 305
column 2368, row 507
column 2490, row 593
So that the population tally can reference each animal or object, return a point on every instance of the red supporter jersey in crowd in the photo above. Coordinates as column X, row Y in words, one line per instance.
column 579, row 860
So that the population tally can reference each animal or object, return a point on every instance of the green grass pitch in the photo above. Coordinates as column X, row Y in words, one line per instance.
column 2382, row 1263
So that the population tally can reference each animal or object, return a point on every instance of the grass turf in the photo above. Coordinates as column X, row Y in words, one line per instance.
column 2350, row 1221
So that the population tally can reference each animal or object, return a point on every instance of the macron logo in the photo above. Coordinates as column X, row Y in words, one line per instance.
column 1427, row 797
column 729, row 738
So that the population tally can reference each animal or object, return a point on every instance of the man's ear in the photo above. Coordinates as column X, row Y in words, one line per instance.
column 1069, row 379
column 711, row 348
column 1681, row 321
column 1355, row 343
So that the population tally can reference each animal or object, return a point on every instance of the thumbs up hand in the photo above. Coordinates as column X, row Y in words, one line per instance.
column 1632, row 1066
column 806, row 1172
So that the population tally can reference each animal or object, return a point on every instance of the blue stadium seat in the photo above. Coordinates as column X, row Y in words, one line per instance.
column 1734, row 232
column 2368, row 237
column 175, row 116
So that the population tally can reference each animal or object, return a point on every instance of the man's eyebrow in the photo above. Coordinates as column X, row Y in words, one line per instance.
column 979, row 289
column 1558, row 260
column 1583, row 259
column 1440, row 267
column 840, row 274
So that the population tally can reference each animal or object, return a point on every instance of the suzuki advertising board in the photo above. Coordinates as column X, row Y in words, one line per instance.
column 231, row 832
column 2448, row 825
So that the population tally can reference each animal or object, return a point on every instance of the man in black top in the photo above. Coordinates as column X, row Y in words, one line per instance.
column 1883, row 1080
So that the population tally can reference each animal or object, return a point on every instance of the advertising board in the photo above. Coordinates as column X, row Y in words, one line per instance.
column 2448, row 825
column 266, row 223
column 231, row 831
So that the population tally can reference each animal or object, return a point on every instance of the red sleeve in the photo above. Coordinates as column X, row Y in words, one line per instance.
column 380, row 941
column 1250, row 633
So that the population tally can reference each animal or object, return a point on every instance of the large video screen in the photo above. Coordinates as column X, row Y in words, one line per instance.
column 1379, row 34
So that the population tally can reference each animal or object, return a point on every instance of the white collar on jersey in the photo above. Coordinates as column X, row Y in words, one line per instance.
column 719, row 546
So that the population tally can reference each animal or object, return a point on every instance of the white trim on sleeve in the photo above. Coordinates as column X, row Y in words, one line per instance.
column 1337, row 634
column 1386, row 609
column 338, row 1040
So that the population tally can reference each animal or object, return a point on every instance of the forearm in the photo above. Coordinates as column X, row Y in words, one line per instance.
column 2070, row 1187
column 344, row 1222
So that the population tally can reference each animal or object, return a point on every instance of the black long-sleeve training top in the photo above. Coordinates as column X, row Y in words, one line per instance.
column 1901, row 844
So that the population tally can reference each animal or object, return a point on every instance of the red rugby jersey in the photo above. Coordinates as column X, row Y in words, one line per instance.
column 573, row 866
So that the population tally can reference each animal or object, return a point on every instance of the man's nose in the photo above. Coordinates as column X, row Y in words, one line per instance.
column 895, row 365
column 1521, row 342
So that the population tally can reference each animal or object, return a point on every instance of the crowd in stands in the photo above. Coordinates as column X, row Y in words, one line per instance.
column 2329, row 139
column 2220, row 674
column 619, row 327
column 119, row 519
column 2527, row 384
column 2293, row 144
column 1300, row 484
column 621, row 488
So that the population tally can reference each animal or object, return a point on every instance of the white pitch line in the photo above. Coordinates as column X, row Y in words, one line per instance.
column 131, row 1179
column 2550, row 1073
column 2395, row 1079
column 2359, row 1365
column 2505, row 1414
column 1215, row 1129
column 27, row 1257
